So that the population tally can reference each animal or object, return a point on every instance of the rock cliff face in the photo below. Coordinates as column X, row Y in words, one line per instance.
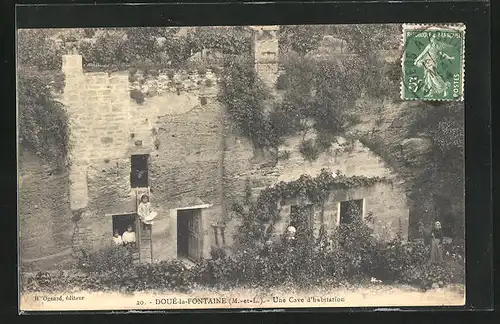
column 388, row 130
column 46, row 229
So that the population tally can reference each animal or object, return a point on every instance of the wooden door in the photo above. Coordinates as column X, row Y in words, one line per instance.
column 195, row 236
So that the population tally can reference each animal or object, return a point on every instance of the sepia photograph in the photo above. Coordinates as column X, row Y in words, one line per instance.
column 241, row 167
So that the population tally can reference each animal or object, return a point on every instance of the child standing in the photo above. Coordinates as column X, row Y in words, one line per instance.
column 117, row 238
column 128, row 237
column 144, row 211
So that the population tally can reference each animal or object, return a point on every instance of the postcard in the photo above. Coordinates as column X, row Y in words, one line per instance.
column 241, row 167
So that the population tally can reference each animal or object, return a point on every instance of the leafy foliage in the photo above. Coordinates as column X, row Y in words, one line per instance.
column 235, row 40
column 43, row 122
column 325, row 90
column 243, row 94
column 107, row 48
column 257, row 218
column 35, row 49
column 114, row 260
column 349, row 254
column 300, row 38
column 367, row 38
column 308, row 150
column 443, row 175
column 137, row 96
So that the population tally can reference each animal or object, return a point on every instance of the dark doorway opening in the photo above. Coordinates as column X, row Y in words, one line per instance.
column 121, row 222
column 139, row 171
column 351, row 210
column 189, row 234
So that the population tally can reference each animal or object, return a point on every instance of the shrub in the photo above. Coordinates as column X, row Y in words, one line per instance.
column 324, row 140
column 426, row 274
column 209, row 83
column 137, row 96
column 455, row 251
column 108, row 260
column 202, row 70
column 309, row 150
column 302, row 262
column 284, row 155
column 281, row 82
column 172, row 274
column 36, row 49
column 132, row 77
column 170, row 74
column 243, row 94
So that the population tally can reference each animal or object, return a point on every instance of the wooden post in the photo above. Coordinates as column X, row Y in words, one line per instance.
column 222, row 229
column 222, row 171
column 216, row 235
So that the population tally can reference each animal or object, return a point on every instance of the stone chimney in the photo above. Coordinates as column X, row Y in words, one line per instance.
column 74, row 99
column 266, row 53
column 72, row 64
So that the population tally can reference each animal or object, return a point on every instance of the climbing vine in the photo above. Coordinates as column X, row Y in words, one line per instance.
column 243, row 94
column 265, row 210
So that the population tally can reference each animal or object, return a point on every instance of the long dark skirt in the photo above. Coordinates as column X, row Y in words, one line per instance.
column 436, row 251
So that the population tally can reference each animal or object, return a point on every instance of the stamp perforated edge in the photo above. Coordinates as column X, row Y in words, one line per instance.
column 461, row 27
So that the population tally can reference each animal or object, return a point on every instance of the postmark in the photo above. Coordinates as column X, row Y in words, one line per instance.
column 433, row 62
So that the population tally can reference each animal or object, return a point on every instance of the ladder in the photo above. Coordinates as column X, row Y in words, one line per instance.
column 145, row 243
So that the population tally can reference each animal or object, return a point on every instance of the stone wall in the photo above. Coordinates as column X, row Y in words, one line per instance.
column 192, row 158
column 388, row 203
column 266, row 53
column 108, row 127
column 385, row 204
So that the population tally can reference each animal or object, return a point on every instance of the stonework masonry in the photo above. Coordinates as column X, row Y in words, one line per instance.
column 192, row 157
column 266, row 54
column 179, row 131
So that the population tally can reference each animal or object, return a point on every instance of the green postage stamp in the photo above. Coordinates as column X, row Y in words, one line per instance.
column 433, row 62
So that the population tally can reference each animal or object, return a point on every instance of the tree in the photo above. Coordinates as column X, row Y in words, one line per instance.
column 325, row 90
column 35, row 49
column 444, row 176
column 109, row 48
column 147, row 43
column 42, row 120
column 228, row 40
column 368, row 38
column 300, row 38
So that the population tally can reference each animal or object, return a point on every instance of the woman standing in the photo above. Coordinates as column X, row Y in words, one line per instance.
column 437, row 243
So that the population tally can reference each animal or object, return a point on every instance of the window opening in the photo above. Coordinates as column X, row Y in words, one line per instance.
column 122, row 222
column 351, row 210
column 139, row 171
